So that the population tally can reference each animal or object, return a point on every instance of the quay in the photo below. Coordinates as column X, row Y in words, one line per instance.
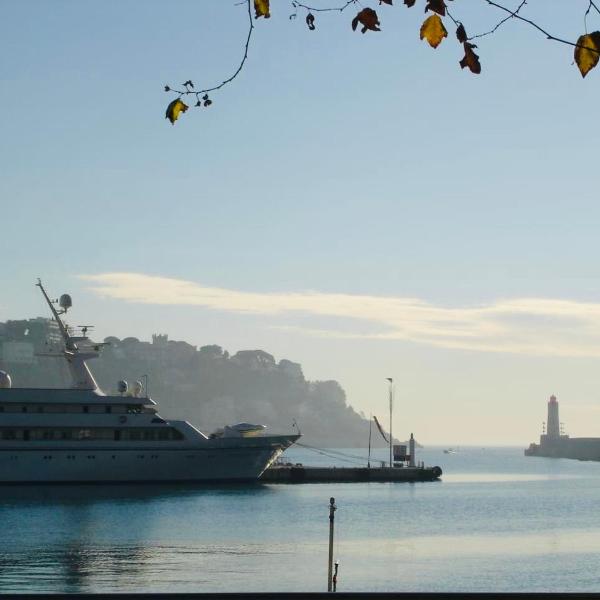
column 307, row 474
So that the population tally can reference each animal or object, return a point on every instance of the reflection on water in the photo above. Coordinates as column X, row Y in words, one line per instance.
column 78, row 567
column 92, row 493
column 502, row 477
column 497, row 521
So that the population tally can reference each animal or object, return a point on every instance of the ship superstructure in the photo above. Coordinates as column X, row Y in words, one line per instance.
column 81, row 434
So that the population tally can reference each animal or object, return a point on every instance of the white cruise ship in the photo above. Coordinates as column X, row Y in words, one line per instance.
column 81, row 434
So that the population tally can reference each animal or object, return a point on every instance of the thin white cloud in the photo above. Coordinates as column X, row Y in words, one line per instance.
column 533, row 326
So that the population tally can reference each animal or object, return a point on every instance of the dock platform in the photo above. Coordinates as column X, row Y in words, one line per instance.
column 307, row 474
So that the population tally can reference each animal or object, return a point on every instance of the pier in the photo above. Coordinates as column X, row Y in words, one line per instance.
column 308, row 474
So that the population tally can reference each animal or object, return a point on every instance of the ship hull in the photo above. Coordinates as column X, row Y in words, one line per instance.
column 237, row 461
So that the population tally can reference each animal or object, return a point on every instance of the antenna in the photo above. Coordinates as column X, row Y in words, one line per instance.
column 84, row 329
column 75, row 356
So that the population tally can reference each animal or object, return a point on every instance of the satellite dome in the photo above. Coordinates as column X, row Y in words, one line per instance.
column 65, row 302
column 122, row 386
column 5, row 380
column 137, row 388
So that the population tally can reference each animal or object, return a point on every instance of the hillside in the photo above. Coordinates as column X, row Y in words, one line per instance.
column 205, row 386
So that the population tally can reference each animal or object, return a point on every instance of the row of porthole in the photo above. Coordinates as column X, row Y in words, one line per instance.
column 73, row 457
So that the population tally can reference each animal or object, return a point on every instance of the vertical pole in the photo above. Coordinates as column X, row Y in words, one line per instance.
column 335, row 573
column 332, row 509
column 369, row 455
column 391, row 405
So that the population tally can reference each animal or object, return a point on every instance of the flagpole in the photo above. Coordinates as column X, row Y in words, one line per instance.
column 369, row 457
column 391, row 405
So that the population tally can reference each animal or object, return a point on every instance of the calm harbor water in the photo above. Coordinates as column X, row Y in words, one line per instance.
column 497, row 522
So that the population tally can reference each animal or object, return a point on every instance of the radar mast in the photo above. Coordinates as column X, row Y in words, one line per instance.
column 77, row 349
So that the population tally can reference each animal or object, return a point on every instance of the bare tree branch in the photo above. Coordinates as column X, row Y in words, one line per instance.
column 332, row 9
column 498, row 25
column 549, row 36
column 186, row 91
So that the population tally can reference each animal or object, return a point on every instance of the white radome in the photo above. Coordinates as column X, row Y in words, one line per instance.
column 5, row 381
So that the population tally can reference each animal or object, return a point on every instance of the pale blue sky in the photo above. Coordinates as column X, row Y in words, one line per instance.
column 338, row 163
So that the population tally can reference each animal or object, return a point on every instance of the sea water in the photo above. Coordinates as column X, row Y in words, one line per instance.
column 497, row 521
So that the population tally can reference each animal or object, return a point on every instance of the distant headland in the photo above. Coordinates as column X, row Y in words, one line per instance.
column 206, row 386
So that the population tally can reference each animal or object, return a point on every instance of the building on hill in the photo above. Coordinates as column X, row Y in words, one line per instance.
column 160, row 340
column 21, row 340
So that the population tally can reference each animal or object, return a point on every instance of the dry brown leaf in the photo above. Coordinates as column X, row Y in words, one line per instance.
column 437, row 6
column 461, row 34
column 368, row 18
column 470, row 59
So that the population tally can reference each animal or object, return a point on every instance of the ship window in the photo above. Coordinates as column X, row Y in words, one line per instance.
column 108, row 409
column 177, row 435
column 65, row 435
column 86, row 409
column 9, row 434
column 48, row 434
column 163, row 434
column 23, row 409
column 40, row 409
column 135, row 435
column 26, row 434
column 84, row 434
column 148, row 434
column 1, row 408
column 117, row 435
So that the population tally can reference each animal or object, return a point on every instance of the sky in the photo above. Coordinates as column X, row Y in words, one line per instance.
column 356, row 203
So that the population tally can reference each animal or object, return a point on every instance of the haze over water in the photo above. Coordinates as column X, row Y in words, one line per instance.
column 497, row 522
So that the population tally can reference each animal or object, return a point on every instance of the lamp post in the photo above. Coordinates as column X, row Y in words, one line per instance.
column 391, row 406
column 332, row 509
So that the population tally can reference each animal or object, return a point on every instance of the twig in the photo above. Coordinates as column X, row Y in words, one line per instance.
column 498, row 25
column 549, row 36
column 237, row 72
column 333, row 9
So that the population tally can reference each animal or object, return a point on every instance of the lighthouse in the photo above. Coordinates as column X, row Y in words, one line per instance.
column 553, row 429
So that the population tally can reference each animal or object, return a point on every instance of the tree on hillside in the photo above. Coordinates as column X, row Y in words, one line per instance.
column 434, row 29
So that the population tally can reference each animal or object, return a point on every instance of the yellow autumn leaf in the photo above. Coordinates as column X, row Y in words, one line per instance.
column 261, row 8
column 587, row 57
column 174, row 109
column 433, row 30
